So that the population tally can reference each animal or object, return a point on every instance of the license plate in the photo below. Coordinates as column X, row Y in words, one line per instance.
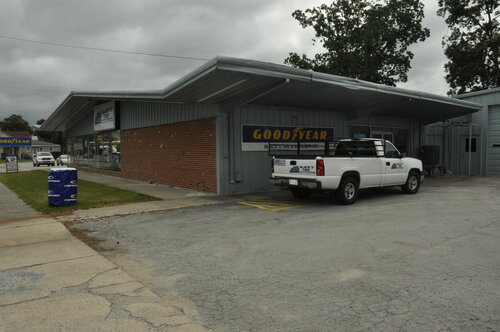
column 293, row 182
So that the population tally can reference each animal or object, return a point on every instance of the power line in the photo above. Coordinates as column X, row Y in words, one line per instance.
column 101, row 49
column 32, row 87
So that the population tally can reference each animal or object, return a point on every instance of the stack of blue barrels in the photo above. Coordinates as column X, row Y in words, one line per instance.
column 63, row 186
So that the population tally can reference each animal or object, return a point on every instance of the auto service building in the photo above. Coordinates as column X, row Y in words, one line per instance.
column 209, row 130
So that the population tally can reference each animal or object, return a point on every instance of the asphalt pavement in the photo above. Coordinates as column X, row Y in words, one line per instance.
column 390, row 262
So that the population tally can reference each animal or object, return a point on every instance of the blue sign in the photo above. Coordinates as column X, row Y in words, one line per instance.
column 15, row 141
column 262, row 134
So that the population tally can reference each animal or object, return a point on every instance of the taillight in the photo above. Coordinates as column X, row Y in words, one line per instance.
column 320, row 167
column 272, row 165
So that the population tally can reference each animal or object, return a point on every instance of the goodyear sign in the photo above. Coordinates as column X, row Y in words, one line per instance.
column 257, row 138
column 15, row 141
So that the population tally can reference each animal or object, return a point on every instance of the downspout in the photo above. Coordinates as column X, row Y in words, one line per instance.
column 470, row 145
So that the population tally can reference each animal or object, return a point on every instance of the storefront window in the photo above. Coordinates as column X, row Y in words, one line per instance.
column 360, row 131
column 100, row 151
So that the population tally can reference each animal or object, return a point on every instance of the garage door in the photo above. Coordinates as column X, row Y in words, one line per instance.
column 494, row 141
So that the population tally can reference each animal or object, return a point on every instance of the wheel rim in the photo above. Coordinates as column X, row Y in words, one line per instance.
column 349, row 191
column 412, row 183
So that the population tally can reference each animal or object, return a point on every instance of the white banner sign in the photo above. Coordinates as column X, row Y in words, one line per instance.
column 104, row 116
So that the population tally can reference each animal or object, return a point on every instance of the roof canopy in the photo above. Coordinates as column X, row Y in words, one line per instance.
column 237, row 82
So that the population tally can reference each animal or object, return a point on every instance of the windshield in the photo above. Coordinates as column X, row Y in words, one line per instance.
column 44, row 154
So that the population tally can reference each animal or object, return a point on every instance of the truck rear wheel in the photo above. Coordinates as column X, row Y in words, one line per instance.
column 300, row 193
column 347, row 192
column 412, row 183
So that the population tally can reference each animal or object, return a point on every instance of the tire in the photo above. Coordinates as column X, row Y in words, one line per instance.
column 300, row 193
column 348, row 190
column 412, row 184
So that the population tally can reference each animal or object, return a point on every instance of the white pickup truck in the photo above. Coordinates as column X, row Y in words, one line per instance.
column 346, row 167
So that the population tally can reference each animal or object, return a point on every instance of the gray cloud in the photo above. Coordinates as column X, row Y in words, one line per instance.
column 34, row 79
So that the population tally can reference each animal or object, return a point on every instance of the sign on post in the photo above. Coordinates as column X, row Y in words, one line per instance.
column 11, row 163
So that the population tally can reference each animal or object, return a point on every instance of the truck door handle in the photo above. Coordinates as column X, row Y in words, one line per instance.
column 388, row 163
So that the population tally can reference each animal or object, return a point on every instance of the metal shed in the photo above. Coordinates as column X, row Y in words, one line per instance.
column 475, row 136
column 237, row 92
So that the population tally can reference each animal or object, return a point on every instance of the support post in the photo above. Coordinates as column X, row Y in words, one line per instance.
column 470, row 145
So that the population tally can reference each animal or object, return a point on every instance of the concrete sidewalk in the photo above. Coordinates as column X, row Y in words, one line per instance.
column 171, row 198
column 152, row 189
column 50, row 281
column 12, row 207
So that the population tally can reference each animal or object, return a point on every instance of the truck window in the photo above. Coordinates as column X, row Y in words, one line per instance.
column 391, row 151
column 356, row 149
column 345, row 149
column 366, row 149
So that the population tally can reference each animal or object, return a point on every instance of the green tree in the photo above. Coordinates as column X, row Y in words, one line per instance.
column 56, row 137
column 368, row 40
column 15, row 123
column 473, row 44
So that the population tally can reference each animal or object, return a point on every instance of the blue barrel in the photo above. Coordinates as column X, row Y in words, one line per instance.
column 63, row 186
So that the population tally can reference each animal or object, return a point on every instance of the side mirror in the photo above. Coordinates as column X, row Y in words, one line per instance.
column 402, row 155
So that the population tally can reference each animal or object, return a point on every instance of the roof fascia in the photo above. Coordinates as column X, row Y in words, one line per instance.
column 477, row 93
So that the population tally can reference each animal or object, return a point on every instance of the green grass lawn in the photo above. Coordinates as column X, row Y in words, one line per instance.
column 32, row 188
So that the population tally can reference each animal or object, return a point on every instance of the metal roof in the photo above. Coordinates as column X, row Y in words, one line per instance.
column 36, row 143
column 237, row 82
column 478, row 93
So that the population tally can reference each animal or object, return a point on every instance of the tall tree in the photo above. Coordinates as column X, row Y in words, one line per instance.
column 368, row 40
column 473, row 44
column 15, row 123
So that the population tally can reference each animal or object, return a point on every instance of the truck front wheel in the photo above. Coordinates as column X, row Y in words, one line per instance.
column 300, row 193
column 347, row 192
column 412, row 183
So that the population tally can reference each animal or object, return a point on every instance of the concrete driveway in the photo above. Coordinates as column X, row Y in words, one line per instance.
column 390, row 262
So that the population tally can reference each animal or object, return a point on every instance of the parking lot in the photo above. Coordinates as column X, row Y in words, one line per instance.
column 268, row 262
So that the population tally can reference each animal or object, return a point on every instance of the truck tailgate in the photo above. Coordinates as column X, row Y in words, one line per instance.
column 299, row 168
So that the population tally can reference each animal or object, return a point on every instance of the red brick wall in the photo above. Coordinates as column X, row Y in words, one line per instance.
column 180, row 154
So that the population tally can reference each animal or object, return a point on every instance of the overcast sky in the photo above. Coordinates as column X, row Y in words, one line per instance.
column 35, row 78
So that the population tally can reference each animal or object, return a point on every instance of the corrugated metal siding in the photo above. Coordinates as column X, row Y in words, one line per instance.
column 494, row 139
column 253, row 168
column 413, row 127
column 456, row 157
column 433, row 135
column 482, row 118
column 141, row 114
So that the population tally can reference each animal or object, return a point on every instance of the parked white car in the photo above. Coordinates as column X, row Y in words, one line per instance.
column 63, row 160
column 351, row 165
column 43, row 158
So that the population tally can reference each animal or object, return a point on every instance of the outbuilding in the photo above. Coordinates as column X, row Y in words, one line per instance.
column 470, row 144
column 209, row 130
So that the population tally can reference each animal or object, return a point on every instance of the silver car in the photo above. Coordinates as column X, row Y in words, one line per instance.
column 63, row 160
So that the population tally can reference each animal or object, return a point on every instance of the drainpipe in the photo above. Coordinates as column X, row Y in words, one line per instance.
column 470, row 145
